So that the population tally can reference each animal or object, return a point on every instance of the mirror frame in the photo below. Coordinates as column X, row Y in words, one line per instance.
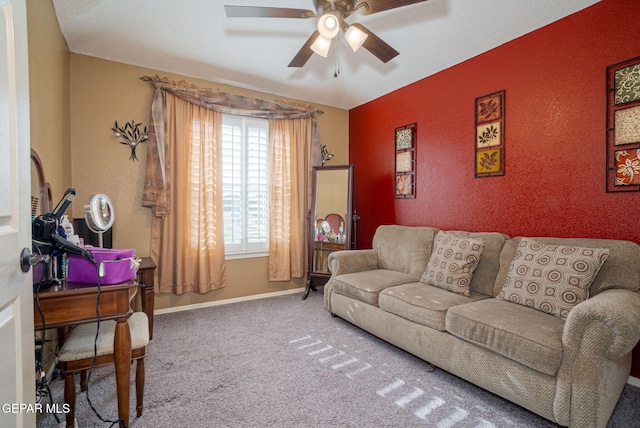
column 44, row 186
column 320, row 278
column 96, row 221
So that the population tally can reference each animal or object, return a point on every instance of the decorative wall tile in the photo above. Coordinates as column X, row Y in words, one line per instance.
column 489, row 135
column 404, row 185
column 489, row 107
column 627, row 124
column 404, row 162
column 627, row 84
column 627, row 167
column 404, row 139
column 623, row 127
column 488, row 161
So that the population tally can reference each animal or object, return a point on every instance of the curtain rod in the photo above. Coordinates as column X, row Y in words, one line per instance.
column 148, row 79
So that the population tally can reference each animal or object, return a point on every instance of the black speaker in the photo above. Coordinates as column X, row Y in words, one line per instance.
column 90, row 237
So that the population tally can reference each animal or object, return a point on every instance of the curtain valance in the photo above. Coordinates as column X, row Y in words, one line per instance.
column 155, row 193
column 212, row 99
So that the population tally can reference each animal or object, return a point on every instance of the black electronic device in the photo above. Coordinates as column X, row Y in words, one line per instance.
column 48, row 240
column 64, row 203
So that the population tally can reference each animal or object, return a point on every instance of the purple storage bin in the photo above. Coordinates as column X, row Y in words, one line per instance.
column 117, row 265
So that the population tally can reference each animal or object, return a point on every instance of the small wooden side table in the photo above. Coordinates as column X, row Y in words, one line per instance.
column 146, row 280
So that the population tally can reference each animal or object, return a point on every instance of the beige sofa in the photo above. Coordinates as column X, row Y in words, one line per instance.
column 570, row 371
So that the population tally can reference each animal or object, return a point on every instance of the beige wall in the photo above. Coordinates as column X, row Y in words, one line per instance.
column 76, row 99
column 49, row 95
column 105, row 91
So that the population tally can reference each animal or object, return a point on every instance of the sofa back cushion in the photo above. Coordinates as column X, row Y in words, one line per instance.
column 485, row 274
column 404, row 248
column 552, row 278
column 453, row 260
column 620, row 270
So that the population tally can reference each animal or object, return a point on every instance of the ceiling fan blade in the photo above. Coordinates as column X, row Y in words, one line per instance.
column 368, row 7
column 305, row 52
column 377, row 46
column 266, row 12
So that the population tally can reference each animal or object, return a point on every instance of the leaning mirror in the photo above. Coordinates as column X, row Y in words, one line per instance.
column 99, row 215
column 40, row 188
column 330, row 220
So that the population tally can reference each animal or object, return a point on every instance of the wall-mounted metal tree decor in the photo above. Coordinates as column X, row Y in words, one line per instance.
column 131, row 136
column 623, row 126
column 326, row 154
column 405, row 162
column 489, row 135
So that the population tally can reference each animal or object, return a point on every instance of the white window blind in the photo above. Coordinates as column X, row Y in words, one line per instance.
column 245, row 184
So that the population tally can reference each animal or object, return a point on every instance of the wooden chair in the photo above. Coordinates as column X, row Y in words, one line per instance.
column 77, row 354
column 336, row 221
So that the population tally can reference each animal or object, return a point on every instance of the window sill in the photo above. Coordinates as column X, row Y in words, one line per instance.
column 246, row 255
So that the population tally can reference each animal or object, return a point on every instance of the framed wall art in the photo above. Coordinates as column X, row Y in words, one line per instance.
column 623, row 127
column 489, row 135
column 405, row 162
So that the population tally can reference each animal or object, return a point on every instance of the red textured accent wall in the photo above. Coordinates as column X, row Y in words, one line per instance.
column 554, row 182
column 555, row 137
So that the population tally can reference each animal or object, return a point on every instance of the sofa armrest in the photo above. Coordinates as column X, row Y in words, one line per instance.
column 348, row 261
column 351, row 261
column 597, row 340
column 617, row 311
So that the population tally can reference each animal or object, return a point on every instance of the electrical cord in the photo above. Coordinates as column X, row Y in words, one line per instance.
column 95, row 356
column 43, row 387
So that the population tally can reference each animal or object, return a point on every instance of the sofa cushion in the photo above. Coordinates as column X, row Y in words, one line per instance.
column 366, row 285
column 522, row 334
column 551, row 278
column 452, row 262
column 485, row 274
column 421, row 303
column 622, row 269
column 403, row 248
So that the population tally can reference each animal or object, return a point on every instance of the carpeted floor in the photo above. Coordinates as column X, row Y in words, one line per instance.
column 284, row 362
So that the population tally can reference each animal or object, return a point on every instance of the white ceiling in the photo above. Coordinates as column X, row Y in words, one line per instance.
column 195, row 38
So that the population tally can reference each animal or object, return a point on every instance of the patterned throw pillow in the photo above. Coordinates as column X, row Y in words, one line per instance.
column 551, row 278
column 452, row 262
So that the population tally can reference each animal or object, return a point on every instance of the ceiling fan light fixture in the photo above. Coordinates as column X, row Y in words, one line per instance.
column 355, row 37
column 321, row 46
column 328, row 25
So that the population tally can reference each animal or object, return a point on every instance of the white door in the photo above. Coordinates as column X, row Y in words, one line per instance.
column 17, row 366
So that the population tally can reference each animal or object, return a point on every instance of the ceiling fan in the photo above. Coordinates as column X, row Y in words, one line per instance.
column 331, row 16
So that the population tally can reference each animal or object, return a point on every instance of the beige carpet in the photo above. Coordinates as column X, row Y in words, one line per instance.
column 284, row 362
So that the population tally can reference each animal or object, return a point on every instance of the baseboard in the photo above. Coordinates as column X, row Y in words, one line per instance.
column 226, row 301
column 633, row 381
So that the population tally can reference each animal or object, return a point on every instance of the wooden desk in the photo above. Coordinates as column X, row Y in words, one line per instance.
column 320, row 248
column 146, row 280
column 71, row 304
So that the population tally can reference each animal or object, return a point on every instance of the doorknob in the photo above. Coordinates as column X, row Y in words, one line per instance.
column 27, row 259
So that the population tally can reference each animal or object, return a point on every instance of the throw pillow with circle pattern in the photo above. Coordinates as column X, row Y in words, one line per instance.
column 551, row 278
column 452, row 262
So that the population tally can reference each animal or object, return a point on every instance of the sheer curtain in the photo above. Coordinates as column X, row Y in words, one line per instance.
column 187, row 239
column 293, row 144
column 290, row 163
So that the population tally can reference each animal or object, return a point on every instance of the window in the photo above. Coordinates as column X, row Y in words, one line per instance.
column 245, row 184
